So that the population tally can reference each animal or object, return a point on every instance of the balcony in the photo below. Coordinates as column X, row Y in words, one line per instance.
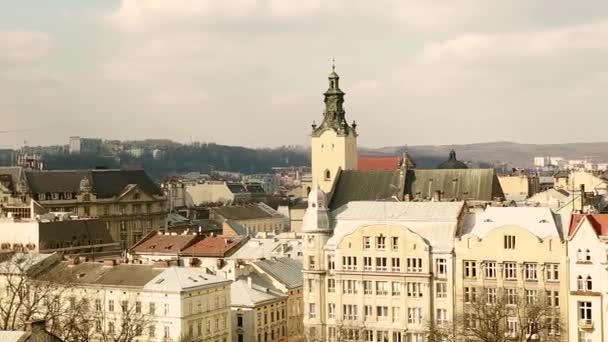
column 585, row 324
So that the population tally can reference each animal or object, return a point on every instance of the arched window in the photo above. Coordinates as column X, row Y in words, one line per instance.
column 589, row 283
column 327, row 175
column 307, row 190
column 579, row 255
column 587, row 255
column 579, row 283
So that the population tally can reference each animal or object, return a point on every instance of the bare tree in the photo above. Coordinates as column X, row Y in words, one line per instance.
column 501, row 315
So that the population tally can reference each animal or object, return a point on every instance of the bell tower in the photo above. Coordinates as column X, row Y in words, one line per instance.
column 334, row 141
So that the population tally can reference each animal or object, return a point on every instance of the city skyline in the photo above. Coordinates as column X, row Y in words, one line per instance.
column 252, row 73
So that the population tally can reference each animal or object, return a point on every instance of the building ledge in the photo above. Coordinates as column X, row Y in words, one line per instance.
column 585, row 293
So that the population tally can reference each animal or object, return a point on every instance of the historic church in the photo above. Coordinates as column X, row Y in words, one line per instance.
column 335, row 167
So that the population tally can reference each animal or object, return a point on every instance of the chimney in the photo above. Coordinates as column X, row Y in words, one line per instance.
column 35, row 326
column 249, row 282
column 437, row 196
column 582, row 198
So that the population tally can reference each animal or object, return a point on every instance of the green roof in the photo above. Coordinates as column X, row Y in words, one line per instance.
column 376, row 185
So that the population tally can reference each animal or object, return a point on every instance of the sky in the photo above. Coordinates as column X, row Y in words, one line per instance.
column 252, row 72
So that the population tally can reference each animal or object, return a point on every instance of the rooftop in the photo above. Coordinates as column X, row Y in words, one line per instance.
column 245, row 212
column 378, row 163
column 287, row 271
column 253, row 290
column 539, row 221
column 215, row 246
column 165, row 243
column 599, row 222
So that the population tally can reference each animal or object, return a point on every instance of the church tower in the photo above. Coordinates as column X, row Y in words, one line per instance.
column 334, row 141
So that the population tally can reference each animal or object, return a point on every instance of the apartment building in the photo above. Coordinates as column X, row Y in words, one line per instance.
column 515, row 254
column 377, row 271
column 588, row 280
column 155, row 304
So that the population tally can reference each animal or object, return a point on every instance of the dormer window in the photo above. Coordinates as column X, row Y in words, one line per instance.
column 55, row 195
column 579, row 255
column 587, row 255
column 42, row 197
column 327, row 175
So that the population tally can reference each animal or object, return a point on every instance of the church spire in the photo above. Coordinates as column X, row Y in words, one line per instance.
column 334, row 116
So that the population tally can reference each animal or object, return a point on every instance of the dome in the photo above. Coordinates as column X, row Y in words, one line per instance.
column 316, row 199
column 452, row 163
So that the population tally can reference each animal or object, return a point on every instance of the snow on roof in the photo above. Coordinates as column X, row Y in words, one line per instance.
column 182, row 278
column 539, row 221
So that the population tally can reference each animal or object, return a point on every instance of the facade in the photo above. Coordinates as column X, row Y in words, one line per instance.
column 286, row 276
column 259, row 311
column 268, row 181
column 588, row 255
column 519, row 187
column 373, row 268
column 85, row 237
column 128, row 201
column 255, row 218
column 163, row 304
column 517, row 253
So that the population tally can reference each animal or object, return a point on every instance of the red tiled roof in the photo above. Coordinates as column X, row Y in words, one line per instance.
column 165, row 243
column 599, row 222
column 217, row 246
column 378, row 163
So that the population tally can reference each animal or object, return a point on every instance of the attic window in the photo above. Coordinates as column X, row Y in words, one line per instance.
column 80, row 275
column 159, row 281
column 488, row 220
column 168, row 246
column 543, row 221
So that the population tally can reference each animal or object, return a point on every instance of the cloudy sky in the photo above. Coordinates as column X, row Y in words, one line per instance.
column 252, row 72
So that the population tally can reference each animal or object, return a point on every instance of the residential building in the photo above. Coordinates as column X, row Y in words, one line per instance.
column 259, row 310
column 268, row 181
column 379, row 267
column 256, row 218
column 35, row 331
column 217, row 192
column 515, row 252
column 286, row 276
column 160, row 304
column 84, row 145
column 588, row 289
column 128, row 201
column 84, row 237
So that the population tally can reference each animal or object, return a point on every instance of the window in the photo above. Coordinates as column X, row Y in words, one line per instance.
column 441, row 267
column 166, row 309
column 110, row 305
column 349, row 263
column 552, row 271
column 367, row 263
column 327, row 175
column 367, row 242
column 311, row 262
column 441, row 290
column 511, row 328
column 331, row 285
column 470, row 294
column 331, row 310
column 138, row 307
column 414, row 337
column 470, row 269
column 531, row 296
column 442, row 316
column 509, row 241
column 380, row 242
column 367, row 312
column 395, row 313
column 367, row 287
column 239, row 321
column 414, row 290
column 491, row 295
column 396, row 289
column 349, row 287
column 579, row 255
column 585, row 336
column 381, row 313
column 395, row 243
column 414, row 265
column 381, row 264
column 111, row 327
column 97, row 304
column 587, row 255
column 331, row 264
column 530, row 271
column 349, row 312
column 580, row 284
column 510, row 270
column 589, row 284
column 395, row 264
column 381, row 288
column 167, row 332
column 490, row 269
column 312, row 310
column 511, row 296
column 552, row 298
column 124, row 305
column 152, row 308
column 584, row 312
column 414, row 315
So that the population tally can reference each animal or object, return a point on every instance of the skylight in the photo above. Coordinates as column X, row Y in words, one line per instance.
column 159, row 281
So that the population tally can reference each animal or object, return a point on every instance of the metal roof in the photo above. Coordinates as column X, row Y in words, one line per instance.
column 287, row 271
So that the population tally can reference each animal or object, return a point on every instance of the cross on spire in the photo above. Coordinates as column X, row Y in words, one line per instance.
column 333, row 64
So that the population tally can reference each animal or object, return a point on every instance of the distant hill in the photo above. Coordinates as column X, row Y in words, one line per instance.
column 497, row 153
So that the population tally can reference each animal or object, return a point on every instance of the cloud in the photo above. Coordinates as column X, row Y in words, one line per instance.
column 20, row 46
